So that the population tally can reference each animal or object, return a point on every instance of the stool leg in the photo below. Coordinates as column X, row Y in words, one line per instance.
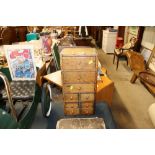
column 134, row 78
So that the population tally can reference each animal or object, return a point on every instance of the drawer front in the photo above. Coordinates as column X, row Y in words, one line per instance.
column 79, row 77
column 87, row 104
column 78, row 88
column 78, row 105
column 76, row 108
column 71, row 105
column 82, row 97
column 87, row 111
column 79, row 63
column 87, row 97
column 71, row 111
column 70, row 97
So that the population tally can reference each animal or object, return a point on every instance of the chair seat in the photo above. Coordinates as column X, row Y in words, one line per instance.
column 119, row 52
column 21, row 90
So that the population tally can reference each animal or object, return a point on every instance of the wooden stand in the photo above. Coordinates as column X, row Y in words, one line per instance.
column 105, row 89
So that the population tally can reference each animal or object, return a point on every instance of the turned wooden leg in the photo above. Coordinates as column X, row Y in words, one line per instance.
column 134, row 78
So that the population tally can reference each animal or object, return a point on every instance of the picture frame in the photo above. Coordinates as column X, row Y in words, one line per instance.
column 151, row 61
column 146, row 53
column 20, row 59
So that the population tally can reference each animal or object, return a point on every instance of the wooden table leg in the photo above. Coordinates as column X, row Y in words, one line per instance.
column 134, row 78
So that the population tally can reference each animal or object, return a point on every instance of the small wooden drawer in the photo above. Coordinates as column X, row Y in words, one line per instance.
column 79, row 63
column 70, row 97
column 87, row 111
column 71, row 105
column 82, row 97
column 78, row 88
column 87, row 104
column 71, row 111
column 87, row 97
column 79, row 77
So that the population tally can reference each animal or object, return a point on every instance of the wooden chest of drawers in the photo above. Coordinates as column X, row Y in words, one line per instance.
column 79, row 78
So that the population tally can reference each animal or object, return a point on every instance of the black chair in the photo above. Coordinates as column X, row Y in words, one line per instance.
column 120, row 53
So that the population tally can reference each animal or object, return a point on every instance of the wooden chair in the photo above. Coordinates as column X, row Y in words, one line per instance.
column 120, row 53
column 137, row 65
column 147, row 77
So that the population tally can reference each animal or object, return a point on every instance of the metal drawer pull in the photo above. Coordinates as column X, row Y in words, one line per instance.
column 79, row 88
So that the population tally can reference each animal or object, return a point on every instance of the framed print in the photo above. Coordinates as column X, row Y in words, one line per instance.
column 20, row 60
column 151, row 62
column 146, row 53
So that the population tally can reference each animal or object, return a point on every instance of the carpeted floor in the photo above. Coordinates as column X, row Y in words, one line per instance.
column 130, row 101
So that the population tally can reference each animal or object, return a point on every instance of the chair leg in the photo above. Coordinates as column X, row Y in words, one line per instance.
column 127, row 61
column 134, row 78
column 117, row 63
column 114, row 59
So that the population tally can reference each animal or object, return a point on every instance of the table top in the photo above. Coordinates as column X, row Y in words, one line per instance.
column 54, row 78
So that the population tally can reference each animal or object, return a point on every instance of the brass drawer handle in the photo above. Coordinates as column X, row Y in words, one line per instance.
column 71, row 98
column 79, row 88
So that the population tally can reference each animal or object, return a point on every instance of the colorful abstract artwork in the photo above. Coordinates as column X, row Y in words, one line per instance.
column 21, row 62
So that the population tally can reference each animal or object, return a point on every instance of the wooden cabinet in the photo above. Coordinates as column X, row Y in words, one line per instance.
column 79, row 78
